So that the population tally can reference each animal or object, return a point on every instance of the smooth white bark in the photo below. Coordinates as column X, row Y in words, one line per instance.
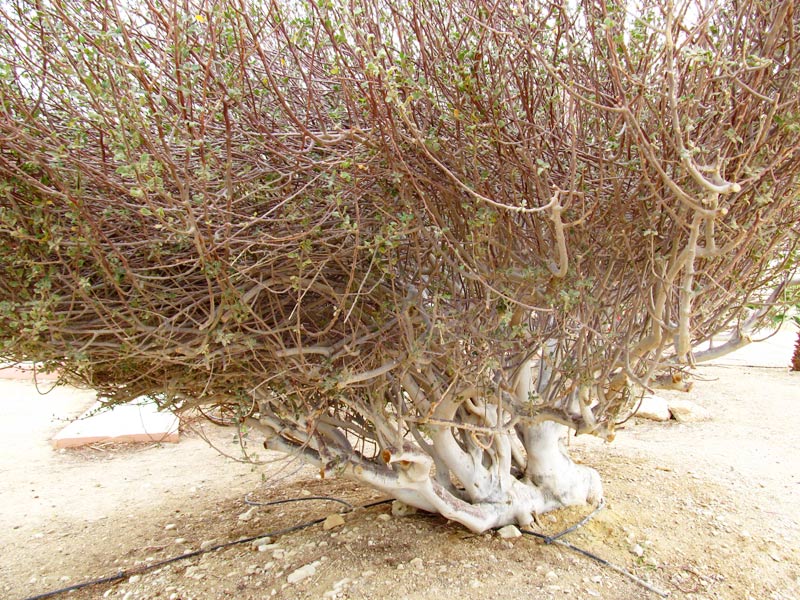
column 491, row 496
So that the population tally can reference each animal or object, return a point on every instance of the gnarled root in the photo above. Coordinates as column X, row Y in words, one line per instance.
column 478, row 488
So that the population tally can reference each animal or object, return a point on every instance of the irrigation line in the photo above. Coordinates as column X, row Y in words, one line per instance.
column 613, row 567
column 149, row 567
column 554, row 539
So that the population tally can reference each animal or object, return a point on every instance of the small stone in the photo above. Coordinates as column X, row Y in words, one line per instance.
column 303, row 572
column 416, row 564
column 509, row 532
column 551, row 576
column 366, row 574
column 596, row 579
column 205, row 545
column 685, row 411
column 475, row 584
column 401, row 509
column 654, row 408
column 384, row 517
column 333, row 521
column 180, row 540
column 247, row 515
column 637, row 550
column 134, row 578
column 262, row 541
column 341, row 583
column 170, row 527
column 278, row 553
column 194, row 572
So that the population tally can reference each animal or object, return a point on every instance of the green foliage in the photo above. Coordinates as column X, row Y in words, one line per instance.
column 241, row 201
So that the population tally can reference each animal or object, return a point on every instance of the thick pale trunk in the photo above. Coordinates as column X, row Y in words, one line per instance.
column 552, row 471
column 485, row 494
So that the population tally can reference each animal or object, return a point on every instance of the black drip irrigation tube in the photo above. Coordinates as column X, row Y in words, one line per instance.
column 556, row 540
column 547, row 539
column 149, row 567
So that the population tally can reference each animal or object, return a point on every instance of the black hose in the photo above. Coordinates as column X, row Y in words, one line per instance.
column 144, row 568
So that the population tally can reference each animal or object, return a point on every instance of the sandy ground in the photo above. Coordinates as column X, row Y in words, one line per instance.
column 699, row 510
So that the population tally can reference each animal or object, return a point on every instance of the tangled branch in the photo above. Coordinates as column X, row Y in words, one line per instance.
column 443, row 222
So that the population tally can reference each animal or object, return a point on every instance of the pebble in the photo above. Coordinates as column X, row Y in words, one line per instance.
column 416, row 564
column 637, row 550
column 194, row 572
column 685, row 411
column 205, row 545
column 134, row 578
column 341, row 583
column 654, row 408
column 170, row 527
column 509, row 532
column 180, row 540
column 303, row 572
column 475, row 584
column 247, row 515
column 333, row 521
column 262, row 541
column 551, row 576
column 401, row 509
column 384, row 517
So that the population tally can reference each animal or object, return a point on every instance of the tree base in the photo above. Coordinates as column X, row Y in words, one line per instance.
column 482, row 498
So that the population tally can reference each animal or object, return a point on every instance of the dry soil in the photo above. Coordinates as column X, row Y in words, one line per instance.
column 697, row 510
